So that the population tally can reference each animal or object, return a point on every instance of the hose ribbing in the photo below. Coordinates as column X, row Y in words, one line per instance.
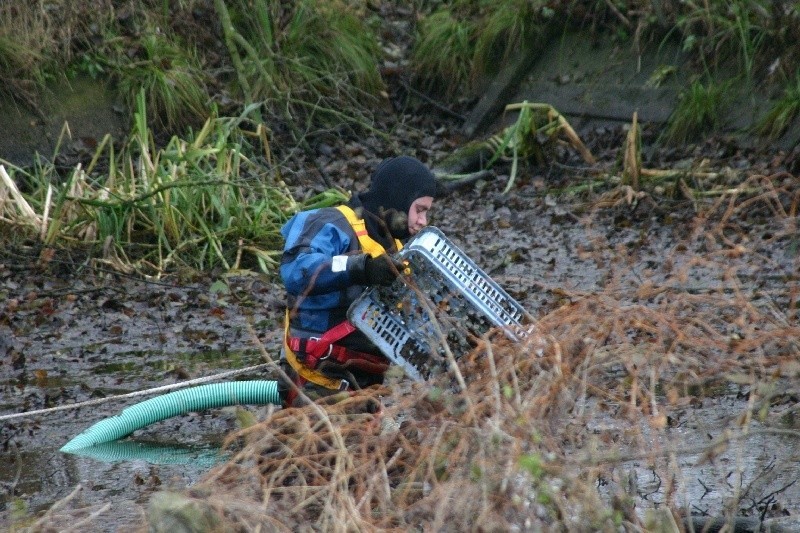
column 176, row 403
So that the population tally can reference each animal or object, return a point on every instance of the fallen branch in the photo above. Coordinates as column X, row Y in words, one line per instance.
column 450, row 182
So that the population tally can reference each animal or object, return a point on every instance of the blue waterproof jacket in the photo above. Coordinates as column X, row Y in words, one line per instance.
column 317, row 298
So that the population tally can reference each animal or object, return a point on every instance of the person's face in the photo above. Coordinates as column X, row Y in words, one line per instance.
column 418, row 214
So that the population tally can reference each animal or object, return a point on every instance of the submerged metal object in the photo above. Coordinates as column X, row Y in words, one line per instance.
column 445, row 302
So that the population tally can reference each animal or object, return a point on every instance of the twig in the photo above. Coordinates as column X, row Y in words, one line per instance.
column 774, row 492
column 154, row 390
column 706, row 490
column 493, row 370
column 431, row 101
column 37, row 526
column 618, row 13
column 77, row 525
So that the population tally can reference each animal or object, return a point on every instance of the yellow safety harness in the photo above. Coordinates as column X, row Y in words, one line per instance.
column 369, row 246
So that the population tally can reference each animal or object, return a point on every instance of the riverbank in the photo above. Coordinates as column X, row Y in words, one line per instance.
column 698, row 297
column 665, row 376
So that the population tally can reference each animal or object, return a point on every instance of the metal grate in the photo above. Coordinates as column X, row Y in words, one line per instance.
column 447, row 300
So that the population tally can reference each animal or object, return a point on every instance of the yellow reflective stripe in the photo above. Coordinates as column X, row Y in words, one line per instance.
column 368, row 244
column 313, row 376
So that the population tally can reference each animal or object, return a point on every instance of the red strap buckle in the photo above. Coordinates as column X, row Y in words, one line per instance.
column 317, row 346
column 313, row 345
column 311, row 350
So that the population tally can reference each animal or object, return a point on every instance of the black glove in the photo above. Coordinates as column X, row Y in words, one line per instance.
column 367, row 270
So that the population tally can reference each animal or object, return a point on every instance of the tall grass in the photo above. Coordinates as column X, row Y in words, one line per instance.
column 724, row 30
column 203, row 202
column 698, row 111
column 443, row 54
column 507, row 30
column 171, row 76
column 308, row 61
column 26, row 46
column 460, row 42
column 305, row 60
column 782, row 112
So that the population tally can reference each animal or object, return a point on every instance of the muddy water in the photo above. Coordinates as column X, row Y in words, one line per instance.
column 754, row 471
column 70, row 338
column 537, row 249
column 78, row 113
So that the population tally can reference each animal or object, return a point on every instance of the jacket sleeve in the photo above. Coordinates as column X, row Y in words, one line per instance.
column 312, row 240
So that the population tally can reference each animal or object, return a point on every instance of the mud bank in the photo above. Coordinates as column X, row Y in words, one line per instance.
column 69, row 338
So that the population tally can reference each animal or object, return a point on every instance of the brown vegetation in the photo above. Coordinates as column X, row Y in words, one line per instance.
column 525, row 445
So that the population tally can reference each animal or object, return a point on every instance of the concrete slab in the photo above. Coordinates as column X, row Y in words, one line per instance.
column 87, row 106
column 604, row 81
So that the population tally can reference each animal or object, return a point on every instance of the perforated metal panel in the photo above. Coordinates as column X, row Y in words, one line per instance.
column 445, row 303
column 473, row 283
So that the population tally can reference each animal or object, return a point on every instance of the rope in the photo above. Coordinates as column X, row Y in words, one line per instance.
column 145, row 392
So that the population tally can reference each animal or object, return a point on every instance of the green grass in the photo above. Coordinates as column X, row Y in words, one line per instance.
column 443, row 54
column 314, row 64
column 718, row 31
column 461, row 42
column 698, row 112
column 207, row 201
column 305, row 60
column 782, row 112
column 506, row 31
column 172, row 78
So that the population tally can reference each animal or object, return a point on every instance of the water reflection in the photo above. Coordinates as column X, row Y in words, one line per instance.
column 152, row 452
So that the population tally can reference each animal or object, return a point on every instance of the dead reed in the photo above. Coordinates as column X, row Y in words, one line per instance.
column 551, row 434
column 543, row 424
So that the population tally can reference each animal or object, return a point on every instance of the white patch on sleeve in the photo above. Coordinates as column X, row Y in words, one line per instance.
column 339, row 263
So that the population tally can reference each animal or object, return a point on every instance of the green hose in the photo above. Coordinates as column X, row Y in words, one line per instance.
column 176, row 403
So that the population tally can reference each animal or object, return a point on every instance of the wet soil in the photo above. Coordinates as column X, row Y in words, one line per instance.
column 71, row 333
column 71, row 338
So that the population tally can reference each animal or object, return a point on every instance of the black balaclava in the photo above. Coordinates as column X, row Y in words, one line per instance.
column 396, row 183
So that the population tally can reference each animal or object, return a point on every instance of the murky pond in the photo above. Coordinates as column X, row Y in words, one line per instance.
column 70, row 337
column 705, row 464
column 69, row 340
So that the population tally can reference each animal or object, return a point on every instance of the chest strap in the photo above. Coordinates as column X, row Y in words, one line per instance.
column 368, row 244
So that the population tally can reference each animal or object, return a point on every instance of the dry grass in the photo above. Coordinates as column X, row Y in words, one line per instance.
column 25, row 43
column 539, row 439
column 514, row 450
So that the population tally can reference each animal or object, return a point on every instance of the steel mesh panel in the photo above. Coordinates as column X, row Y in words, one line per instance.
column 446, row 302
column 499, row 306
